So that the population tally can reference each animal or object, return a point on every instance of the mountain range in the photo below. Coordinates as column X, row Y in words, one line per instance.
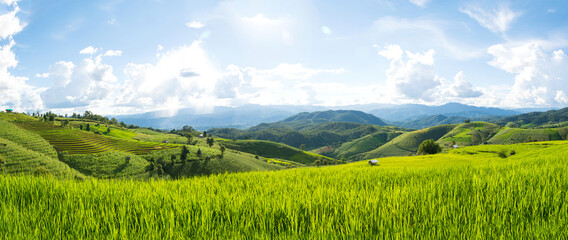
column 245, row 116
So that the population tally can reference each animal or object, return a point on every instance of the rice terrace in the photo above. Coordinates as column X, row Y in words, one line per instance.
column 239, row 119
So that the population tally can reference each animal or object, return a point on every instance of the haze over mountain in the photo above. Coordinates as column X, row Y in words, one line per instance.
column 409, row 112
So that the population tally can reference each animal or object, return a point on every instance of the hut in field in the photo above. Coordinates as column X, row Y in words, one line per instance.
column 9, row 110
column 373, row 162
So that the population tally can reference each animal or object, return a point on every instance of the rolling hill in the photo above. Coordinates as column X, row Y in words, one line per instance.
column 268, row 149
column 535, row 119
column 28, row 145
column 408, row 143
column 469, row 134
column 336, row 116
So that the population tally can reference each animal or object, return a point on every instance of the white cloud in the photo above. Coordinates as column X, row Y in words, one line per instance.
column 461, row 88
column 184, row 75
column 540, row 74
column 420, row 3
column 90, row 50
column 497, row 20
column 9, row 23
column 117, row 53
column 14, row 91
column 326, row 30
column 42, row 75
column 9, row 2
column 112, row 21
column 195, row 24
column 80, row 85
column 411, row 74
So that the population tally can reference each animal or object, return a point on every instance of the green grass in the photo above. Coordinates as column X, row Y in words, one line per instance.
column 458, row 195
column 269, row 149
column 408, row 143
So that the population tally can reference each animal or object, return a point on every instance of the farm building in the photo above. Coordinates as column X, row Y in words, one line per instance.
column 373, row 162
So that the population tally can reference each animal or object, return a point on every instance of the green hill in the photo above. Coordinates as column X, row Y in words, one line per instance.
column 519, row 135
column 28, row 144
column 365, row 144
column 75, row 141
column 336, row 116
column 312, row 135
column 535, row 119
column 26, row 139
column 269, row 149
column 468, row 134
column 408, row 143
column 16, row 159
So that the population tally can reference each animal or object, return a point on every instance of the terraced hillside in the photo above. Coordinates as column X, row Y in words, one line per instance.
column 469, row 134
column 26, row 139
column 75, row 141
column 16, row 159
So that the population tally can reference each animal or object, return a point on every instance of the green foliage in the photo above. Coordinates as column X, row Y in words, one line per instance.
column 429, row 147
column 210, row 142
column 449, row 196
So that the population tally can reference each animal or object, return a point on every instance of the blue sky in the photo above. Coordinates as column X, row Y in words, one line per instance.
column 122, row 56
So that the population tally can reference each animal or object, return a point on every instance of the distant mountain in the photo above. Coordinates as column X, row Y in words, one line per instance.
column 538, row 118
column 410, row 112
column 236, row 117
column 429, row 121
column 314, row 130
column 336, row 116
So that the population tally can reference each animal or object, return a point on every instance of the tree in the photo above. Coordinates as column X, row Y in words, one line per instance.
column 108, row 129
column 159, row 170
column 204, row 133
column 88, row 127
column 184, row 152
column 81, row 126
column 198, row 153
column 210, row 141
column 189, row 137
column 429, row 147
column 222, row 148
column 467, row 121
column 317, row 162
column 302, row 147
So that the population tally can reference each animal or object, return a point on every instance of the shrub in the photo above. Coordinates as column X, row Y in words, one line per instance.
column 429, row 147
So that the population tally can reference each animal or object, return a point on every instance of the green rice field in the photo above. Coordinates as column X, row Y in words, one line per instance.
column 482, row 192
